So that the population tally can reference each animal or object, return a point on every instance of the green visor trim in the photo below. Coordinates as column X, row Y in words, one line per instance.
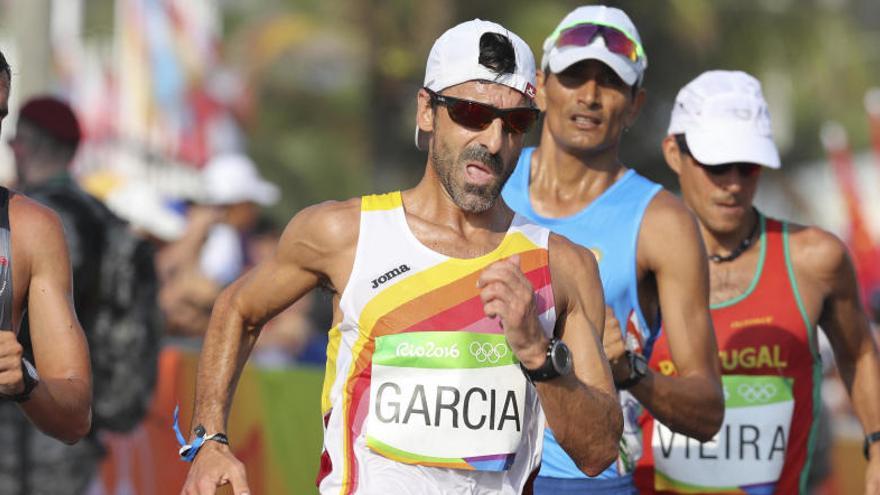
column 640, row 51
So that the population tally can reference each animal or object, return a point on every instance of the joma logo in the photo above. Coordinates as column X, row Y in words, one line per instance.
column 389, row 275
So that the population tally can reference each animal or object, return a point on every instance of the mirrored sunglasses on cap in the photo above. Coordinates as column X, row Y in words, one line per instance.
column 479, row 116
column 616, row 39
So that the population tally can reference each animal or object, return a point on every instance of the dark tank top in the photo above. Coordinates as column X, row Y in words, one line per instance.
column 5, row 263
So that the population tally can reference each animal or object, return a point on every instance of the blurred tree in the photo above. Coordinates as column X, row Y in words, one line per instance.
column 334, row 108
column 305, row 73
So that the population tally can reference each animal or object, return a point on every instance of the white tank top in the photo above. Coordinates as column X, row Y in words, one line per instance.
column 422, row 394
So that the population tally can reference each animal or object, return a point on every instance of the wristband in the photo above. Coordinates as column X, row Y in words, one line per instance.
column 869, row 439
column 188, row 451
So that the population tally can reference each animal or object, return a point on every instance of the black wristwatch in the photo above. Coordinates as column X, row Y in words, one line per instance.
column 869, row 439
column 638, row 368
column 557, row 363
column 31, row 379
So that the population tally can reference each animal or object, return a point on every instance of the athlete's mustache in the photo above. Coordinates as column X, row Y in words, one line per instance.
column 480, row 154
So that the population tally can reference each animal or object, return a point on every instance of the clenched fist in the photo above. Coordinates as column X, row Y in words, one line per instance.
column 507, row 294
column 11, row 378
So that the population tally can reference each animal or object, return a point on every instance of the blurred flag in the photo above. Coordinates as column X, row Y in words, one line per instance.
column 866, row 254
column 872, row 107
column 167, row 51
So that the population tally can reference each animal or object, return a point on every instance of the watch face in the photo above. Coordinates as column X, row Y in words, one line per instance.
column 561, row 356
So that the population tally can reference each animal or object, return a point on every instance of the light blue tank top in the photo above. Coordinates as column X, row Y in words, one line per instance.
column 609, row 226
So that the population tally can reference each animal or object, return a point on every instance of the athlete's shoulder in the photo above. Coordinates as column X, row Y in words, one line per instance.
column 574, row 272
column 36, row 230
column 813, row 243
column 668, row 226
column 330, row 224
column 32, row 217
column 667, row 206
column 816, row 252
column 19, row 204
column 565, row 255
column 667, row 217
column 332, row 210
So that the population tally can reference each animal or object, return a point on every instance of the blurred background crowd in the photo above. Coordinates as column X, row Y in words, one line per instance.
column 207, row 124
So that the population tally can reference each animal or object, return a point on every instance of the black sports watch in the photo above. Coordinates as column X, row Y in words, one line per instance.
column 869, row 439
column 558, row 363
column 638, row 368
column 31, row 379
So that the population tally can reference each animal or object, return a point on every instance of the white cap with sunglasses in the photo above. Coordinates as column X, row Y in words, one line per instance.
column 724, row 119
column 454, row 59
column 597, row 32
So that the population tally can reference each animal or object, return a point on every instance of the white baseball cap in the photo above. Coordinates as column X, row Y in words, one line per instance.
column 724, row 118
column 454, row 59
column 557, row 59
column 145, row 208
column 233, row 178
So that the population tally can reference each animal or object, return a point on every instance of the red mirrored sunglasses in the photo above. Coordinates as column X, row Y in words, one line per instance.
column 478, row 116
column 616, row 40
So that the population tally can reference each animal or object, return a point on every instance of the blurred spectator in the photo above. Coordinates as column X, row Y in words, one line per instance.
column 232, row 184
column 262, row 241
column 150, row 216
column 114, row 297
column 211, row 253
column 186, row 295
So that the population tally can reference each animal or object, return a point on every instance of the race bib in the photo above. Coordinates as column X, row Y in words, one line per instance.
column 748, row 452
column 447, row 399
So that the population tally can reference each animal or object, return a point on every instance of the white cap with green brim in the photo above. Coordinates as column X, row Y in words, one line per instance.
column 557, row 59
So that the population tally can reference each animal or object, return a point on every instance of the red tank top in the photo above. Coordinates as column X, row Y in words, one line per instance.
column 771, row 373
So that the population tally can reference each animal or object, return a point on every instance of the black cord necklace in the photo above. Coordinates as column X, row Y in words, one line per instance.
column 717, row 258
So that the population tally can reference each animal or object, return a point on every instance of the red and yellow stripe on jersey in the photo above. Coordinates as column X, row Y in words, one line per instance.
column 399, row 285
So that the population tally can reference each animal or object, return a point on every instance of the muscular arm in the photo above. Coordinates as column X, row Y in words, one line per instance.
column 670, row 246
column 311, row 243
column 60, row 405
column 581, row 408
column 313, row 247
column 822, row 261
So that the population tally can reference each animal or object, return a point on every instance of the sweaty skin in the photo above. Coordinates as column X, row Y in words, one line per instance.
column 823, row 270
column 60, row 405
column 587, row 107
column 451, row 216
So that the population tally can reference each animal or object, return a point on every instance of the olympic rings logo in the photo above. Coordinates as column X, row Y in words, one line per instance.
column 487, row 352
column 755, row 393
